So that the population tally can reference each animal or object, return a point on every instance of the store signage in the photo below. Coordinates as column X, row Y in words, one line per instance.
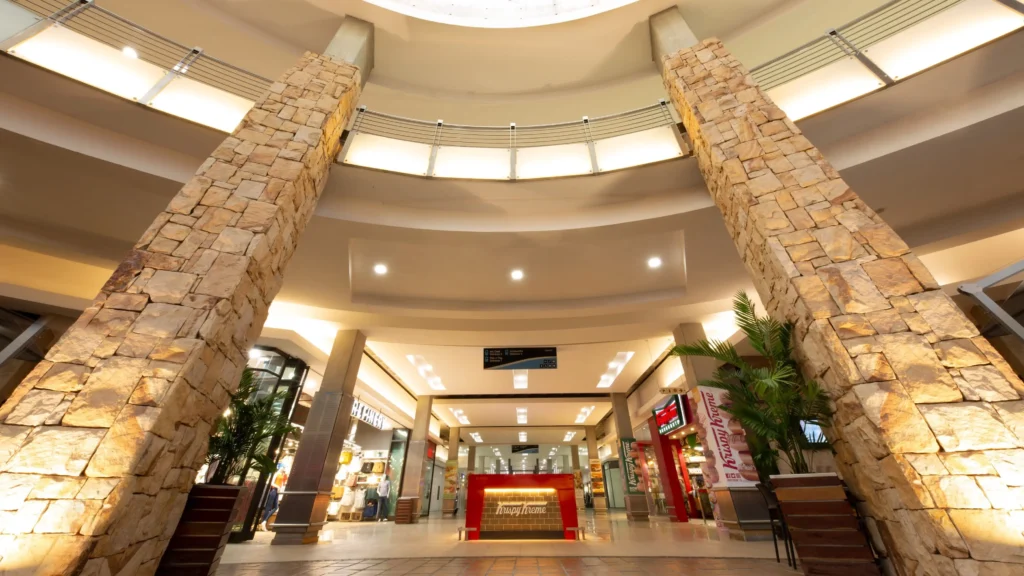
column 629, row 456
column 727, row 460
column 520, row 358
column 368, row 415
column 670, row 417
column 525, row 448
column 521, row 508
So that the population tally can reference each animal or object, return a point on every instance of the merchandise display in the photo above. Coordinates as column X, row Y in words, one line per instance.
column 354, row 495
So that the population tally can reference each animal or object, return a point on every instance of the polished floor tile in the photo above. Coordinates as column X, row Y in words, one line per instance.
column 515, row 567
column 610, row 536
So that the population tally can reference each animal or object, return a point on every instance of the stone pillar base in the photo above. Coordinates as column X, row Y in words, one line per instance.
column 294, row 535
column 600, row 504
column 448, row 508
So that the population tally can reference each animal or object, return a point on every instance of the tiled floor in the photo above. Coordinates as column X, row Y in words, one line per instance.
column 515, row 566
column 610, row 536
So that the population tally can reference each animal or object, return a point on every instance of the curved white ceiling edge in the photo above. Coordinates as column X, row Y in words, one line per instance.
column 500, row 13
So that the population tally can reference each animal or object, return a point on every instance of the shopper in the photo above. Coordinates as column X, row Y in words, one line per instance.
column 383, row 491
column 270, row 507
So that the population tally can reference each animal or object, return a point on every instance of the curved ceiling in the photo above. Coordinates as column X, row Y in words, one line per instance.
column 503, row 14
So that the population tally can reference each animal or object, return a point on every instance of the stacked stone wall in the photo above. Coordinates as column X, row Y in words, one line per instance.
column 101, row 443
column 929, row 424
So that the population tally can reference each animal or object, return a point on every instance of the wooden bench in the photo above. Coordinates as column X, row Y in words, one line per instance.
column 580, row 532
column 467, row 531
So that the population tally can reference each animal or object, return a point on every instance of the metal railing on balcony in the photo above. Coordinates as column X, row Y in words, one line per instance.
column 102, row 25
column 880, row 48
column 586, row 146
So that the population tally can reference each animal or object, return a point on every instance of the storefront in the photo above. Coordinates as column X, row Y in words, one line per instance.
column 364, row 462
column 664, row 464
column 521, row 506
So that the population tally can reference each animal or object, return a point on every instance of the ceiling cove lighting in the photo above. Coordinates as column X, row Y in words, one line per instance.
column 520, row 379
column 380, row 269
column 614, row 369
column 654, row 262
column 522, row 438
column 460, row 416
column 476, row 437
column 568, row 436
column 637, row 148
column 584, row 414
column 426, row 371
column 521, row 415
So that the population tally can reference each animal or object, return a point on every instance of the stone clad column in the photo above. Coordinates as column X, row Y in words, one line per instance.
column 303, row 508
column 451, row 483
column 695, row 368
column 99, row 445
column 416, row 454
column 929, row 425
column 636, row 504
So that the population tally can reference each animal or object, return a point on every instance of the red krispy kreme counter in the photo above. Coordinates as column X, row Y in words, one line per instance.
column 521, row 506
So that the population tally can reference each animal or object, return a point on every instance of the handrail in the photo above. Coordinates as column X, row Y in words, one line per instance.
column 999, row 314
column 102, row 25
column 850, row 39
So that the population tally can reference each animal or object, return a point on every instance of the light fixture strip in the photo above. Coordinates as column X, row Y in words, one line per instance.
column 615, row 368
column 426, row 371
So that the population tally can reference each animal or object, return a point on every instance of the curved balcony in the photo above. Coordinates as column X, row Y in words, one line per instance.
column 438, row 150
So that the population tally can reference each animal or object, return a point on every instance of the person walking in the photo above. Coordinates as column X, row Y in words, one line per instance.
column 383, row 491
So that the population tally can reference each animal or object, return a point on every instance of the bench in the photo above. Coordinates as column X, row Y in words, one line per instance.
column 467, row 531
column 581, row 532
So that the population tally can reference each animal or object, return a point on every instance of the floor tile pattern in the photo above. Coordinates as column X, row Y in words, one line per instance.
column 583, row 566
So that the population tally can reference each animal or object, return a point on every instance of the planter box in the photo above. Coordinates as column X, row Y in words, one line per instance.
column 202, row 532
column 830, row 539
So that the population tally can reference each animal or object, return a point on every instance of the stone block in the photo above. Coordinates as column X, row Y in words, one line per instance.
column 890, row 408
column 64, row 378
column 884, row 241
column 956, row 492
column 926, row 464
column 918, row 368
column 874, row 368
column 959, row 353
column 886, row 321
column 944, row 317
column 57, row 488
column 998, row 493
column 233, row 241
column 839, row 244
column 851, row 326
column 985, row 383
column 121, row 301
column 892, row 277
column 35, row 407
column 169, row 287
column 815, row 296
column 967, row 463
column 909, row 485
column 224, row 276
column 137, row 345
column 999, row 362
column 14, row 489
column 1009, row 464
column 162, row 320
column 25, row 519
column 992, row 535
column 124, row 445
column 66, row 516
column 56, row 450
column 967, row 426
column 109, row 387
column 851, row 287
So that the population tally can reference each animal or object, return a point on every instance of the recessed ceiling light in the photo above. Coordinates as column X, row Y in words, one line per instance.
column 517, row 274
column 129, row 52
column 654, row 262
column 380, row 269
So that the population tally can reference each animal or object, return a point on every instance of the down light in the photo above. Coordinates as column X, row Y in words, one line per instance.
column 568, row 436
column 614, row 369
column 476, row 437
column 129, row 52
column 517, row 275
column 380, row 269
column 522, row 437
column 521, row 415
column 520, row 379
column 584, row 414
column 460, row 416
column 654, row 262
column 426, row 371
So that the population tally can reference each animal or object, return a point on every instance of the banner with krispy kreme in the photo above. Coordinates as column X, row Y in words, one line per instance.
column 728, row 461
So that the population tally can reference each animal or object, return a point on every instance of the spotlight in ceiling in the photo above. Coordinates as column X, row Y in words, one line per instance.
column 584, row 414
column 476, row 437
column 654, row 262
column 522, row 437
column 129, row 52
column 521, row 415
column 520, row 379
column 568, row 436
column 380, row 269
column 517, row 274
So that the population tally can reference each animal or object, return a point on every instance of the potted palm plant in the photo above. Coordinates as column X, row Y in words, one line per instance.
column 768, row 396
column 240, row 443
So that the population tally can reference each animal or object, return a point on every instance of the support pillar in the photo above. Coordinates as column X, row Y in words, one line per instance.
column 596, row 473
column 636, row 504
column 121, row 410
column 471, row 460
column 664, row 453
column 303, row 508
column 917, row 391
column 577, row 474
column 410, row 501
column 695, row 368
column 451, row 476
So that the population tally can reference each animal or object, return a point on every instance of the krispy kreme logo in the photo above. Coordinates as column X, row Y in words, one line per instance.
column 521, row 508
column 719, row 431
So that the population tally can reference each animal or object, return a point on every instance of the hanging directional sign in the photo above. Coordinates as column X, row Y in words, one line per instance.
column 520, row 358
